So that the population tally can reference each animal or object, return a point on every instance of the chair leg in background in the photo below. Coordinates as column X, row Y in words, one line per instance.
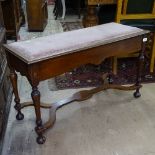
column 114, row 68
column 152, row 63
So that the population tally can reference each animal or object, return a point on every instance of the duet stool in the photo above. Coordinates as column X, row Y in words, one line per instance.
column 42, row 58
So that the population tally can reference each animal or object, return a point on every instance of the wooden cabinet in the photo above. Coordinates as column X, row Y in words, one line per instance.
column 5, row 85
column 36, row 14
column 13, row 17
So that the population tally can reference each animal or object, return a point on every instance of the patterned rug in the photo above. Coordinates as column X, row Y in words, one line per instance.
column 91, row 75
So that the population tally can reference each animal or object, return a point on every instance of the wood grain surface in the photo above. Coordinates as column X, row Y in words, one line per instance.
column 95, row 2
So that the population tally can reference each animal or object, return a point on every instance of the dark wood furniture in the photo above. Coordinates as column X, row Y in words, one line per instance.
column 39, row 69
column 37, row 14
column 13, row 17
column 5, row 85
column 91, row 19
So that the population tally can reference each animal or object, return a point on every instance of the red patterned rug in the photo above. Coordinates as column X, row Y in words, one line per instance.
column 91, row 75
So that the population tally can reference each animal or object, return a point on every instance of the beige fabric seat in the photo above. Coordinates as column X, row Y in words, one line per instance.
column 43, row 48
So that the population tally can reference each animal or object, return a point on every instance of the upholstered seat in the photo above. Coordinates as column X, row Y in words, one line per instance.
column 43, row 48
